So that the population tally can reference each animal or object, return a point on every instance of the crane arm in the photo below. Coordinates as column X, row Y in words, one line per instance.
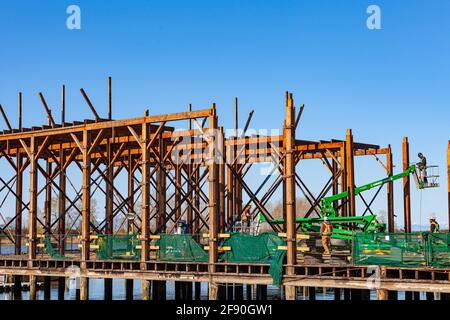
column 326, row 203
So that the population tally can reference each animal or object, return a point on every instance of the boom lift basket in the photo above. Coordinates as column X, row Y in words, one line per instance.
column 427, row 178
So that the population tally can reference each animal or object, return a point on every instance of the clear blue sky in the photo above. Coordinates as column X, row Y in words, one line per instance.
column 162, row 55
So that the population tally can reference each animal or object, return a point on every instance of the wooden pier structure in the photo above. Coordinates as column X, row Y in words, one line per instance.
column 147, row 170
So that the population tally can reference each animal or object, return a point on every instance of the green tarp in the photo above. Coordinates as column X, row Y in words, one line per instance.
column 262, row 248
column 180, row 247
column 419, row 249
column 118, row 246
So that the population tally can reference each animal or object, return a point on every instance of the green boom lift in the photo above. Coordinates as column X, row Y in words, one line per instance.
column 343, row 227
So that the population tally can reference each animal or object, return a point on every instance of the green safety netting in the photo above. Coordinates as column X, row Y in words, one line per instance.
column 262, row 248
column 118, row 246
column 50, row 250
column 439, row 250
column 180, row 247
column 402, row 249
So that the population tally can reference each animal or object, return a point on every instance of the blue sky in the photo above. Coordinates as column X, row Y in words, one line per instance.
column 163, row 55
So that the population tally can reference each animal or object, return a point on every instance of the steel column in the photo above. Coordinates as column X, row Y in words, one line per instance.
column 406, row 186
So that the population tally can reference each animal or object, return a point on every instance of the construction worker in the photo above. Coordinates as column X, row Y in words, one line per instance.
column 422, row 165
column 245, row 217
column 327, row 231
column 434, row 225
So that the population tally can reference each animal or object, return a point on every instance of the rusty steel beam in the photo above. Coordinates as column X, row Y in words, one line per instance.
column 289, row 173
column 32, row 214
column 145, row 194
column 86, row 199
column 406, row 186
column 350, row 173
column 213, row 192
column 390, row 191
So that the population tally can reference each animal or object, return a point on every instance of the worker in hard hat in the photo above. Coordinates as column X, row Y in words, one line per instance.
column 245, row 217
column 422, row 165
column 327, row 231
column 434, row 225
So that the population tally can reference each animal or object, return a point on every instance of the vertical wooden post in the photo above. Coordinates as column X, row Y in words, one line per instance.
column 129, row 284
column 109, row 98
column 62, row 198
column 289, row 144
column 86, row 200
column 221, row 177
column 230, row 194
column 343, row 158
column 32, row 217
column 406, row 186
column 48, row 220
column 159, row 287
column 178, row 193
column 390, row 191
column 161, row 186
column 61, row 218
column 190, row 177
column 86, row 213
column 33, row 287
column 350, row 173
column 213, row 190
column 19, row 208
column 109, row 208
column 237, row 183
column 335, row 185
column 145, row 210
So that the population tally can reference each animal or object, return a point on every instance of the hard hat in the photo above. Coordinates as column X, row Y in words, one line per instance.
column 420, row 154
column 325, row 219
column 432, row 218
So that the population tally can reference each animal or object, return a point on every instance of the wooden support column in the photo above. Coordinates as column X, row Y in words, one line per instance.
column 109, row 208
column 178, row 193
column 390, row 191
column 222, row 211
column 406, row 186
column 382, row 294
column 84, row 288
column 343, row 159
column 213, row 196
column 145, row 210
column 350, row 173
column 129, row 283
column 33, row 287
column 62, row 198
column 213, row 291
column 48, row 220
column 32, row 216
column 18, row 226
column 85, row 202
column 230, row 195
column 237, row 165
column 159, row 287
column 335, row 184
column 62, row 218
column 289, row 173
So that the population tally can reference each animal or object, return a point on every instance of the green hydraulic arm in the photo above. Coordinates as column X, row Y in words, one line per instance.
column 326, row 204
column 343, row 227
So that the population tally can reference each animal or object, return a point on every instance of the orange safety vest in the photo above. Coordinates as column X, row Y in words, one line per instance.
column 327, row 229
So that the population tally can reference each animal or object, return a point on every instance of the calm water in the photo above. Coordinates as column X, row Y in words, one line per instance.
column 96, row 287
